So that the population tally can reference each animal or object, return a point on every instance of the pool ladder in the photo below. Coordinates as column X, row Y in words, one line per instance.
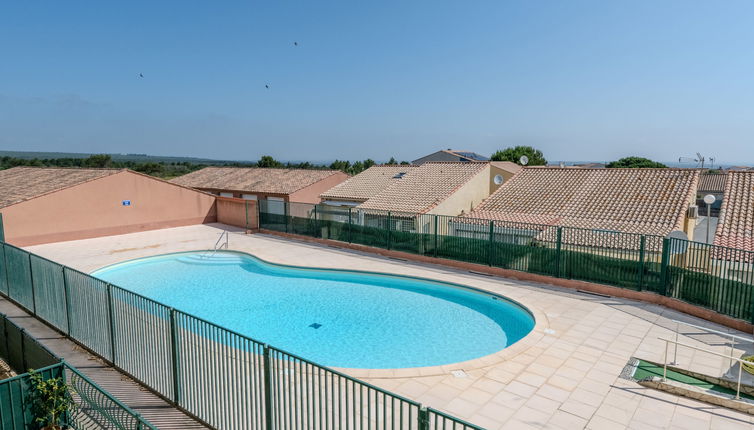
column 219, row 244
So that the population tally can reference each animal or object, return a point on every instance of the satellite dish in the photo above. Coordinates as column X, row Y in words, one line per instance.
column 679, row 242
column 562, row 165
column 524, row 160
column 498, row 179
column 709, row 199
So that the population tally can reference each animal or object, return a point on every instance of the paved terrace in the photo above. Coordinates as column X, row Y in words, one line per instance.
column 566, row 378
column 154, row 409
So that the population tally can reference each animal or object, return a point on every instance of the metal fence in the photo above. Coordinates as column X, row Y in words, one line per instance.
column 713, row 277
column 93, row 408
column 225, row 379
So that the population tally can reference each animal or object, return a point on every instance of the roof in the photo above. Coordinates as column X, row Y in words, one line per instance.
column 19, row 184
column 253, row 179
column 469, row 155
column 590, row 165
column 712, row 182
column 424, row 187
column 368, row 183
column 735, row 227
column 451, row 155
column 507, row 165
column 646, row 201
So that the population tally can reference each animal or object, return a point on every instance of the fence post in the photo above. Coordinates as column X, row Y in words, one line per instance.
column 33, row 293
column 176, row 358
column 286, row 211
column 2, row 229
column 491, row 244
column 389, row 227
column 423, row 418
column 67, row 297
column 350, row 225
column 317, row 230
column 267, row 389
column 23, row 350
column 664, row 276
column 246, row 208
column 112, row 321
column 642, row 245
column 436, row 225
column 5, row 264
column 558, row 249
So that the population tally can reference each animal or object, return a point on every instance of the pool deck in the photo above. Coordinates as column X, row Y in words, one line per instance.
column 565, row 375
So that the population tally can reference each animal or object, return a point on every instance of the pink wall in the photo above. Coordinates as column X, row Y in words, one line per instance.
column 311, row 193
column 232, row 211
column 96, row 208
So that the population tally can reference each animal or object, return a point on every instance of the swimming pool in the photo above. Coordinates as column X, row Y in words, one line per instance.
column 333, row 317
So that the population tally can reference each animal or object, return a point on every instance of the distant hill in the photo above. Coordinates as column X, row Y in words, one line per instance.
column 136, row 158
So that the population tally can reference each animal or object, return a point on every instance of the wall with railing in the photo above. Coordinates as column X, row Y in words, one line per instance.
column 93, row 407
column 712, row 277
column 225, row 379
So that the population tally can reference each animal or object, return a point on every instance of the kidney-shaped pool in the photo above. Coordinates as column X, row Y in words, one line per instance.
column 333, row 317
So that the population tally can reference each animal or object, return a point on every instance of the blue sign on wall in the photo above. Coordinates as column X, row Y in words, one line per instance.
column 126, row 202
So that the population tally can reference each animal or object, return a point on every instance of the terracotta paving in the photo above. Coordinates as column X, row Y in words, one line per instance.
column 567, row 378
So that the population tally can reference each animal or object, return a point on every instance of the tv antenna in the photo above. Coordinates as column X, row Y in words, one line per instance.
column 524, row 160
column 699, row 160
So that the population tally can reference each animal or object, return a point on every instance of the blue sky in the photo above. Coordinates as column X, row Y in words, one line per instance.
column 581, row 80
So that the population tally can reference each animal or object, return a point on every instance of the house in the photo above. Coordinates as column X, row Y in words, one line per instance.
column 735, row 228
column 360, row 188
column 450, row 155
column 41, row 205
column 274, row 186
column 711, row 183
column 643, row 201
column 442, row 188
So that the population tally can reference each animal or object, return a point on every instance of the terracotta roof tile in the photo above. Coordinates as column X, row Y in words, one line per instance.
column 19, row 184
column 424, row 187
column 645, row 201
column 367, row 184
column 253, row 179
column 735, row 228
column 714, row 183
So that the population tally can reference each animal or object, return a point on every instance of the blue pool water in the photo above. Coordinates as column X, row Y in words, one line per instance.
column 335, row 318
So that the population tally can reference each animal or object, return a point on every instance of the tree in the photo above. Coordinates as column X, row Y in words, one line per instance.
column 513, row 154
column 634, row 162
column 268, row 161
column 98, row 160
column 392, row 161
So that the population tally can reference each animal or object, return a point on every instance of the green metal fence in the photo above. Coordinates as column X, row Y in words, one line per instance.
column 223, row 378
column 94, row 407
column 717, row 278
column 20, row 350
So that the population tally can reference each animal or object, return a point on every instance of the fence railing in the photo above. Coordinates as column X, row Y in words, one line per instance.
column 225, row 379
column 709, row 276
column 93, row 407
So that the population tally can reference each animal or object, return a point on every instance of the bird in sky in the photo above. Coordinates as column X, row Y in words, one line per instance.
column 141, row 75
column 267, row 86
column 295, row 43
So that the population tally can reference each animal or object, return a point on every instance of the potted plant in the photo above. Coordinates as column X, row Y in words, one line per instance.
column 50, row 400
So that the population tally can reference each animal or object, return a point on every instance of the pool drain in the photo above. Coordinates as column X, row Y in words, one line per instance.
column 315, row 325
